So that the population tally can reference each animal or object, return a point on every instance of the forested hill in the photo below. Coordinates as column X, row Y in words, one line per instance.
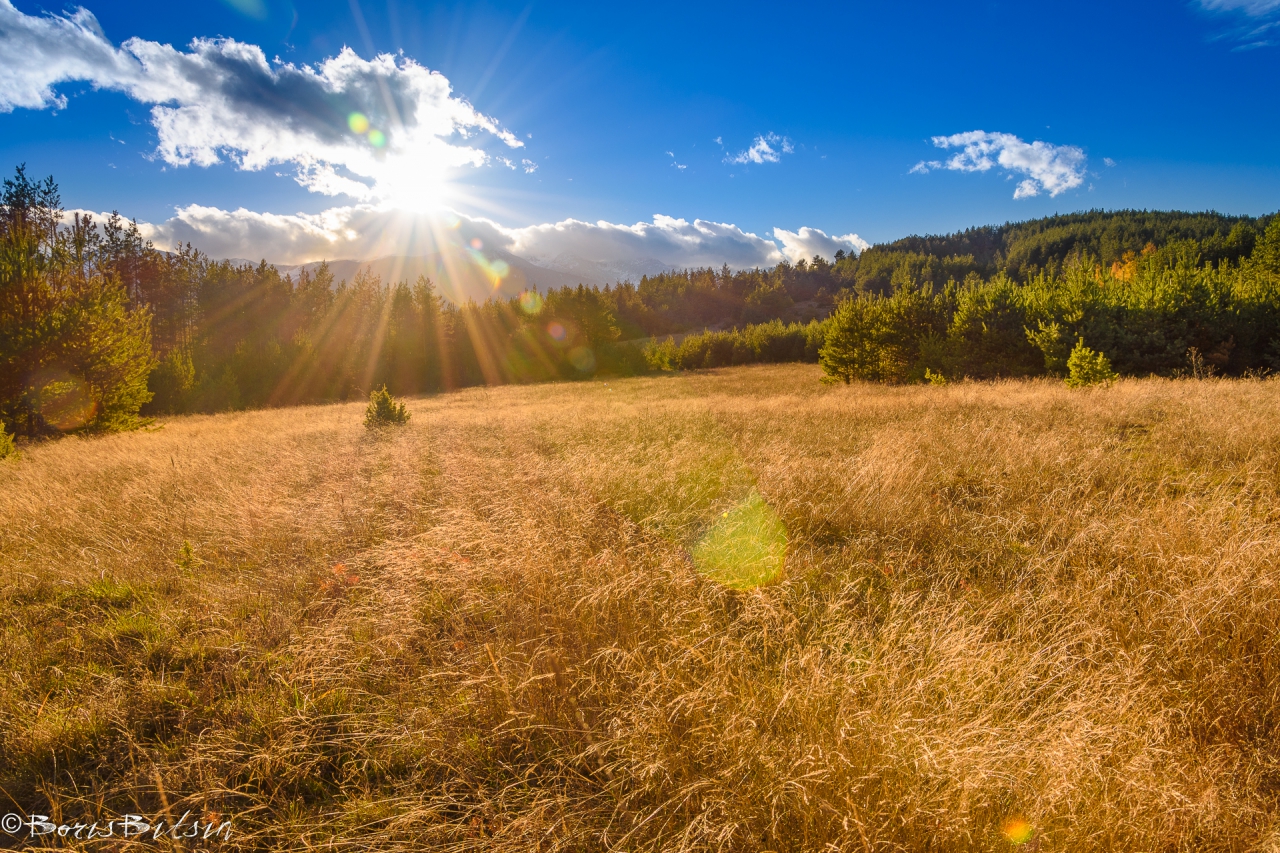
column 97, row 325
column 1022, row 249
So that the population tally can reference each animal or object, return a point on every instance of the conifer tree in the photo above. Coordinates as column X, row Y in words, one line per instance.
column 73, row 352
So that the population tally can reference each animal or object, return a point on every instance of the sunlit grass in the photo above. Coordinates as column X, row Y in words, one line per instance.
column 735, row 610
column 746, row 546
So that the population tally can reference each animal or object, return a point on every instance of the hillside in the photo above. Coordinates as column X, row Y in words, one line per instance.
column 1021, row 249
column 461, row 275
column 99, row 328
column 1003, row 612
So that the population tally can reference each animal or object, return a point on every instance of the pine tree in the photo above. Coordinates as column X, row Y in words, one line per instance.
column 73, row 352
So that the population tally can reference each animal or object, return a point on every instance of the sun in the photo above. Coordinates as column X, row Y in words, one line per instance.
column 414, row 185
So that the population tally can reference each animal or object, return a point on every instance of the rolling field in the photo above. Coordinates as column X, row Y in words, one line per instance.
column 1007, row 615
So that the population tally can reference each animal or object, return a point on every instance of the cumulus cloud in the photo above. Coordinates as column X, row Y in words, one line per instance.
column 364, row 232
column 807, row 242
column 380, row 129
column 367, row 231
column 1049, row 168
column 676, row 242
column 768, row 148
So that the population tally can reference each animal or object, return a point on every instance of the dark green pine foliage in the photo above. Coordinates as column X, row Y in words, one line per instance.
column 75, row 350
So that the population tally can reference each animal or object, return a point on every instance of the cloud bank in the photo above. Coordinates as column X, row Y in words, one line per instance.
column 381, row 129
column 1049, row 168
column 807, row 242
column 366, row 231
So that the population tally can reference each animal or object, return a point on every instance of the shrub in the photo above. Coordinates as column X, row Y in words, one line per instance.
column 7, row 447
column 1086, row 367
column 384, row 411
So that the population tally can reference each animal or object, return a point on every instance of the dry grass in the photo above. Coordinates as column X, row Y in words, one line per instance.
column 1000, row 601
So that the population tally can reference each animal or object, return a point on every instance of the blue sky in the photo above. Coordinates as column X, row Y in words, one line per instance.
column 1149, row 105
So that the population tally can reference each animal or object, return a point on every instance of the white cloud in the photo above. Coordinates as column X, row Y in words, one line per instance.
column 1260, row 17
column 1108, row 162
column 529, row 166
column 366, row 232
column 1049, row 168
column 807, row 242
column 676, row 242
column 1256, row 8
column 766, row 149
column 380, row 129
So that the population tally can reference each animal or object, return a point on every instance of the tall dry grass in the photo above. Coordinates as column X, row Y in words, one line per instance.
column 1000, row 601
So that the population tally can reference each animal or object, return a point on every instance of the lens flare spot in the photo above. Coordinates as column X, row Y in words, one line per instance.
column 583, row 359
column 746, row 547
column 64, row 400
column 500, row 268
column 251, row 8
column 1018, row 830
column 477, row 243
column 451, row 222
column 531, row 302
column 359, row 123
column 557, row 331
column 377, row 138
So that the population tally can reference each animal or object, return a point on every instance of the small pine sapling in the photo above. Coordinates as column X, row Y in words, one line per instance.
column 384, row 411
column 1086, row 367
column 7, row 446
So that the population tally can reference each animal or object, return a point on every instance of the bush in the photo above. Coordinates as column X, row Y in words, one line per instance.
column 764, row 343
column 1086, row 367
column 7, row 447
column 384, row 411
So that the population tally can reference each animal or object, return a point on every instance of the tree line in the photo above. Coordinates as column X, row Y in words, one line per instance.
column 99, row 329
column 1176, row 309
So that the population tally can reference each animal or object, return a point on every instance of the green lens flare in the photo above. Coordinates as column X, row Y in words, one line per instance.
column 531, row 302
column 746, row 547
column 583, row 359
column 358, row 122
column 377, row 138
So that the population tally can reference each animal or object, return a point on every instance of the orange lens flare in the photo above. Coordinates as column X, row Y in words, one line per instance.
column 1018, row 830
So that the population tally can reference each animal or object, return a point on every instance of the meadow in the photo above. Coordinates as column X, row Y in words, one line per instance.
column 1010, row 615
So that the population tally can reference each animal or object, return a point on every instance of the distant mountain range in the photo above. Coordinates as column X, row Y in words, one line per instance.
column 460, row 274
column 604, row 272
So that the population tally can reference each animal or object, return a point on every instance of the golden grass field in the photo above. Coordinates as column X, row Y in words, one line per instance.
column 1010, row 613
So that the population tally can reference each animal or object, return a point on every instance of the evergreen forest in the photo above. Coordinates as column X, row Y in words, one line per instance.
column 100, row 330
